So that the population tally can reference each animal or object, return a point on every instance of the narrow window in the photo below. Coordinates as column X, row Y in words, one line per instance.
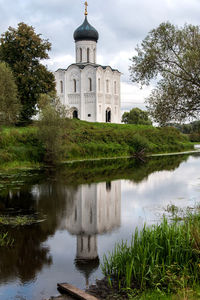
column 90, row 215
column 89, row 239
column 99, row 84
column 81, row 55
column 88, row 55
column 100, row 109
column 74, row 85
column 94, row 56
column 61, row 86
column 75, row 215
column 81, row 244
column 107, row 86
column 115, row 87
column 90, row 84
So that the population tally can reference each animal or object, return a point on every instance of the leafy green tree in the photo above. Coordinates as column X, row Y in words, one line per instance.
column 170, row 55
column 9, row 103
column 125, row 117
column 136, row 116
column 22, row 49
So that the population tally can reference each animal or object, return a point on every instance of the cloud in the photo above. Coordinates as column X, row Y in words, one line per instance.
column 132, row 96
column 121, row 25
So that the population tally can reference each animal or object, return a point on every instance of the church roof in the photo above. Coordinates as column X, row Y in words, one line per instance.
column 86, row 32
column 83, row 65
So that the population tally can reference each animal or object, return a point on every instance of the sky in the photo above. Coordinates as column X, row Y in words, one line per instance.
column 122, row 25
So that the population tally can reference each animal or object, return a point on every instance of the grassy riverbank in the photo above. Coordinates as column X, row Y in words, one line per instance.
column 162, row 261
column 21, row 147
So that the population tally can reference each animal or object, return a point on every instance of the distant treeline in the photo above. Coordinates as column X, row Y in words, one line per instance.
column 191, row 129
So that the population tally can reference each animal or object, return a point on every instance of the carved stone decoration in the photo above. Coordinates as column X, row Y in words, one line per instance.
column 74, row 98
column 89, row 97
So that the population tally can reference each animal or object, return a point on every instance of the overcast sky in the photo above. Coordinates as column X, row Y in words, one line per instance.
column 122, row 24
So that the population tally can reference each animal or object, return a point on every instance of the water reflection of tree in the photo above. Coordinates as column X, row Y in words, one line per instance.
column 108, row 170
column 52, row 200
column 27, row 257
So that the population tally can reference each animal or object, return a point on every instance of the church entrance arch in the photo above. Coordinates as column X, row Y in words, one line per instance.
column 75, row 113
column 108, row 115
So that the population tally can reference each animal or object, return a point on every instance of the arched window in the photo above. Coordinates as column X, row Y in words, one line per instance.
column 88, row 55
column 74, row 80
column 99, row 84
column 115, row 87
column 90, row 84
column 81, row 54
column 94, row 53
column 107, row 86
column 61, row 86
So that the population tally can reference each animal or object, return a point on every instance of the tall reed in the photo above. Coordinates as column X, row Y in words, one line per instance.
column 165, row 257
column 6, row 240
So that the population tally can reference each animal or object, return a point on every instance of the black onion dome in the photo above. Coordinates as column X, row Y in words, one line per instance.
column 86, row 32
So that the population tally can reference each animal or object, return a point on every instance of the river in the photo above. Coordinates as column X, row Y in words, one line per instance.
column 86, row 207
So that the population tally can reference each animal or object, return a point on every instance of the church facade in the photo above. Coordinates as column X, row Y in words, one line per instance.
column 91, row 91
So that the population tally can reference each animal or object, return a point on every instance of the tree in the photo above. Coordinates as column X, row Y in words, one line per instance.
column 136, row 116
column 22, row 49
column 9, row 103
column 171, row 55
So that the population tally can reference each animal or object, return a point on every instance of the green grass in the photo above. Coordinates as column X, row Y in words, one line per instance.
column 20, row 146
column 185, row 294
column 163, row 258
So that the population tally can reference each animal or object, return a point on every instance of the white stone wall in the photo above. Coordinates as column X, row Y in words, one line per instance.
column 108, row 95
column 84, row 45
column 89, row 99
column 89, row 93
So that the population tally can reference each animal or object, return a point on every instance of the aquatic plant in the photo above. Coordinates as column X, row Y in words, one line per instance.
column 162, row 257
column 18, row 220
column 6, row 240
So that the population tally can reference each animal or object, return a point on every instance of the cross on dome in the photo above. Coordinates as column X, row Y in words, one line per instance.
column 86, row 5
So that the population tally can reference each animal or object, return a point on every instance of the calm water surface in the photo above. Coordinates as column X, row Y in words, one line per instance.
column 87, row 208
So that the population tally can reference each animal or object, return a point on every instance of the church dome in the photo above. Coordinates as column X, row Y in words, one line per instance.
column 86, row 32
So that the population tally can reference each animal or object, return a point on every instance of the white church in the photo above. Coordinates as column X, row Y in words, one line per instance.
column 90, row 90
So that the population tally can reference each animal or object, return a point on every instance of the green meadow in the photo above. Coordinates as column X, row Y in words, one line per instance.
column 21, row 146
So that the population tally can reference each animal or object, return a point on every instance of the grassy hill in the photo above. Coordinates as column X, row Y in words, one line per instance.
column 80, row 140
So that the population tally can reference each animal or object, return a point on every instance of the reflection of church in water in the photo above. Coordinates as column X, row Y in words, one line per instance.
column 97, row 210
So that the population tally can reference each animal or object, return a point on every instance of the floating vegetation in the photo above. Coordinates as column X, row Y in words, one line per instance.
column 19, row 220
column 16, row 180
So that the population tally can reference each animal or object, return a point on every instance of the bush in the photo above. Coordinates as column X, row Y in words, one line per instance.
column 51, row 130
